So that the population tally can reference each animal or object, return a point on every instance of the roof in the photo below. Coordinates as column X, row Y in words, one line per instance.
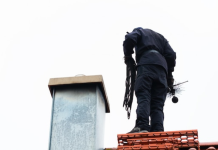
column 184, row 139
column 208, row 143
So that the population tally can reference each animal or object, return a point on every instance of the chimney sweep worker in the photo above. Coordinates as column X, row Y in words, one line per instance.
column 155, row 63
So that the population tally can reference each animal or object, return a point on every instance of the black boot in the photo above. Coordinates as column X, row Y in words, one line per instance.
column 137, row 130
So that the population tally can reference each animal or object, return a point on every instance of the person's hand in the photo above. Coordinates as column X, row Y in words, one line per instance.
column 170, row 81
column 127, row 59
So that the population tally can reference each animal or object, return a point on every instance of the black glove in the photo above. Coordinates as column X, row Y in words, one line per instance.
column 170, row 81
column 128, row 59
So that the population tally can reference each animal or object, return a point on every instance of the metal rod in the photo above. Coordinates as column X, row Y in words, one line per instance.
column 52, row 110
column 180, row 83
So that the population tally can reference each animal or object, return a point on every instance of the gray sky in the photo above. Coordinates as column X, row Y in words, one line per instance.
column 45, row 39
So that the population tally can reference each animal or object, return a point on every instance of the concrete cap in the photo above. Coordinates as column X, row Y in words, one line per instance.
column 98, row 79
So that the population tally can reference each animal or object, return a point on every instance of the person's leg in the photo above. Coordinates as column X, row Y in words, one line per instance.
column 158, row 96
column 143, row 93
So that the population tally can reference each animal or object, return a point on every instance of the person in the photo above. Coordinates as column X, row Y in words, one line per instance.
column 155, row 63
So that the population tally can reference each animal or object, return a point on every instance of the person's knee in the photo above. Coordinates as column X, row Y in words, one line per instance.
column 157, row 106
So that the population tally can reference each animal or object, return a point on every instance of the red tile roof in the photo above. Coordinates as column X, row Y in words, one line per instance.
column 163, row 140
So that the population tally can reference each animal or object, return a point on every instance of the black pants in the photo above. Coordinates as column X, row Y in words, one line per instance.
column 150, row 90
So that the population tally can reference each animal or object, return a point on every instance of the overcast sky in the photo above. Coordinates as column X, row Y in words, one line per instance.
column 45, row 39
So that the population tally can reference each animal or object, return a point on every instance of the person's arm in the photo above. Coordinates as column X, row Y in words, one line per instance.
column 130, row 41
column 170, row 57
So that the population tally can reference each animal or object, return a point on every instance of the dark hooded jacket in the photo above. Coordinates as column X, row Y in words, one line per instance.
column 144, row 40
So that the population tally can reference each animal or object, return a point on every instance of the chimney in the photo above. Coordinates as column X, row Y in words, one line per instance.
column 78, row 113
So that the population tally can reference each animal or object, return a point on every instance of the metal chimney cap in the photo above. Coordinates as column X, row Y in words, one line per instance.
column 96, row 79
